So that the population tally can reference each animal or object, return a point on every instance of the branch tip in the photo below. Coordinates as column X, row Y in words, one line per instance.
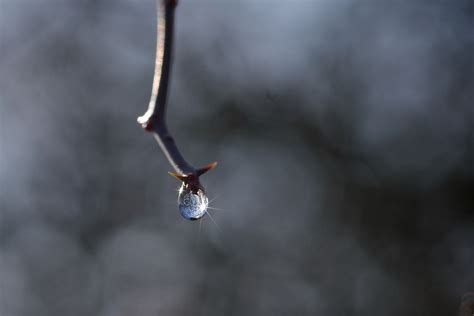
column 206, row 168
column 154, row 119
column 177, row 176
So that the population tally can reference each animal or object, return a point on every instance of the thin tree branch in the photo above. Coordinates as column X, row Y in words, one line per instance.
column 154, row 120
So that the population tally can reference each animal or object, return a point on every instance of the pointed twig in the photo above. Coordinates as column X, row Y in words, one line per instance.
column 154, row 120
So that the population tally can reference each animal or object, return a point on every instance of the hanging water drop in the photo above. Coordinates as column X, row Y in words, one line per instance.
column 192, row 205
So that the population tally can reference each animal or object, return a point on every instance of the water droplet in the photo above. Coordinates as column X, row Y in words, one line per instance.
column 191, row 205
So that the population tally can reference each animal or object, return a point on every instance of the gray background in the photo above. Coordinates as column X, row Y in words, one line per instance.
column 344, row 135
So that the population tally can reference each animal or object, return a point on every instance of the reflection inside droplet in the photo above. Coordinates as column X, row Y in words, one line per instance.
column 191, row 205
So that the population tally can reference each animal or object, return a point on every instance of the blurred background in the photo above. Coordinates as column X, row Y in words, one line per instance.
column 344, row 135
